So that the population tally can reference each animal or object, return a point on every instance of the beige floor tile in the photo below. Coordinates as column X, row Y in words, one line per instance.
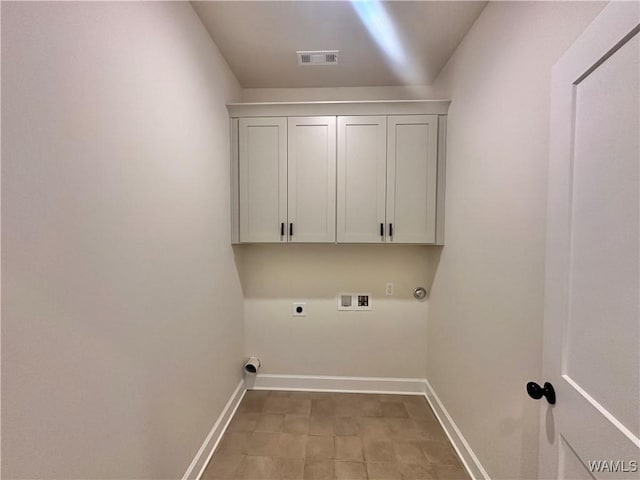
column 402, row 429
column 350, row 470
column 346, row 426
column 370, row 408
column 234, row 443
column 349, row 448
column 243, row 422
column 384, row 397
column 439, row 453
column 450, row 472
column 276, row 405
column 393, row 409
column 287, row 469
column 299, row 406
column 322, row 407
column 373, row 427
column 280, row 393
column 255, row 468
column 283, row 435
column 222, row 467
column 417, row 472
column 263, row 444
column 269, row 422
column 400, row 398
column 383, row 471
column 409, row 452
column 378, row 450
column 291, row 446
column 252, row 404
column 347, row 408
column 318, row 469
column 419, row 410
column 418, row 399
column 251, row 394
column 429, row 429
column 312, row 395
column 322, row 426
column 320, row 447
column 295, row 424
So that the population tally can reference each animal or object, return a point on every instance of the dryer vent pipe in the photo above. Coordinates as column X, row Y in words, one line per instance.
column 252, row 366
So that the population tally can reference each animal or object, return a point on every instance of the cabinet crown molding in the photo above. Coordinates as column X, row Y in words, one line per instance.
column 360, row 107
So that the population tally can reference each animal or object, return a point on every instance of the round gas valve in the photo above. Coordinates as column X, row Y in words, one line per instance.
column 419, row 293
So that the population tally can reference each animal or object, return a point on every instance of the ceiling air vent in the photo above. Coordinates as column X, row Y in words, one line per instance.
column 325, row 57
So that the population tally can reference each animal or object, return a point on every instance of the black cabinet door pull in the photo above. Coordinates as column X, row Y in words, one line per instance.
column 291, row 229
column 391, row 229
column 282, row 229
column 382, row 229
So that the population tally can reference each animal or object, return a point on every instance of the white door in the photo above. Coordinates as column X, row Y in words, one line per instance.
column 362, row 159
column 263, row 179
column 591, row 337
column 412, row 170
column 312, row 179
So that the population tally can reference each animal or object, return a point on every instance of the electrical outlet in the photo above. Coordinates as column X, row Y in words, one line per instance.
column 300, row 309
column 363, row 301
column 388, row 289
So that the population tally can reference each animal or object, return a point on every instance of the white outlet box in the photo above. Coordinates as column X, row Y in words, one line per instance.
column 362, row 301
column 354, row 301
column 345, row 301
column 299, row 309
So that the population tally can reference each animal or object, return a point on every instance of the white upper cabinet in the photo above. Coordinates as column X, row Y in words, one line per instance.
column 412, row 170
column 262, row 152
column 345, row 172
column 311, row 179
column 362, row 151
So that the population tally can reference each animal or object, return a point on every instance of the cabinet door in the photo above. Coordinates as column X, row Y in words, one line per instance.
column 412, row 169
column 263, row 179
column 312, row 179
column 361, row 178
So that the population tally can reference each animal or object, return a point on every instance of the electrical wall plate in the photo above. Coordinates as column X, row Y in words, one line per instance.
column 354, row 301
column 345, row 301
column 362, row 301
column 299, row 309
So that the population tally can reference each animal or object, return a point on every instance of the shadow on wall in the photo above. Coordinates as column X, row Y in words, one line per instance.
column 323, row 270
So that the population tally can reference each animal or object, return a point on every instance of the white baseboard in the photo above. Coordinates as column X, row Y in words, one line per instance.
column 314, row 383
column 200, row 461
column 469, row 459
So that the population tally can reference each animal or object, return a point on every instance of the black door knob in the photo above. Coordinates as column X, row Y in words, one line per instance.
column 536, row 392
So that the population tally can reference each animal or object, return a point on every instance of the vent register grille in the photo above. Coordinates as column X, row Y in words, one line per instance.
column 326, row 57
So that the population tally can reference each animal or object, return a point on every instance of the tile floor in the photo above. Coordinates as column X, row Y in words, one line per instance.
column 309, row 435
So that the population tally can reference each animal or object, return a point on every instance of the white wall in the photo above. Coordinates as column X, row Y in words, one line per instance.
column 388, row 341
column 122, row 309
column 486, row 307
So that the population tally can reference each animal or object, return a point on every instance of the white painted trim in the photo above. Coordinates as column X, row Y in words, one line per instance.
column 314, row 383
column 460, row 444
column 376, row 107
column 442, row 181
column 202, row 458
column 235, row 180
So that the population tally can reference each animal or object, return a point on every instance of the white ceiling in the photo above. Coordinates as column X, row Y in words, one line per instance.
column 259, row 40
